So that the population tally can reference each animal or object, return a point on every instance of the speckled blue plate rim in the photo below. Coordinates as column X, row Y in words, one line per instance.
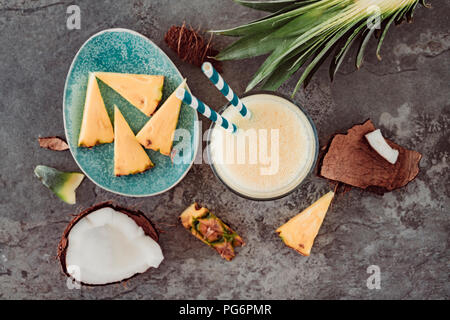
column 196, row 128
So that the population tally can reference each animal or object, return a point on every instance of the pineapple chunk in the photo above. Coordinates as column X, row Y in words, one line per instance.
column 299, row 232
column 211, row 230
column 141, row 90
column 158, row 132
column 96, row 127
column 129, row 156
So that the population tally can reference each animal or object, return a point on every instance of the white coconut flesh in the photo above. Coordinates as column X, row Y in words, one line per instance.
column 379, row 144
column 108, row 246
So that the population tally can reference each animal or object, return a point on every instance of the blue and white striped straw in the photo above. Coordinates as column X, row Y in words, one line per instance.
column 223, row 87
column 202, row 108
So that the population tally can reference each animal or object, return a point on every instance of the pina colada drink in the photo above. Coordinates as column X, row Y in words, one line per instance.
column 270, row 154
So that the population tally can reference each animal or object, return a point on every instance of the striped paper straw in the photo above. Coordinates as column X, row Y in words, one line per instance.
column 202, row 108
column 223, row 87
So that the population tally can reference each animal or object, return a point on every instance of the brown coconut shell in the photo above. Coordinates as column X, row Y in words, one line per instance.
column 138, row 217
column 350, row 160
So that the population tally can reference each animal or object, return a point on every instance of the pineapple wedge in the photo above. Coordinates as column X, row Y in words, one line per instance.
column 205, row 226
column 158, row 132
column 96, row 127
column 299, row 232
column 129, row 156
column 141, row 90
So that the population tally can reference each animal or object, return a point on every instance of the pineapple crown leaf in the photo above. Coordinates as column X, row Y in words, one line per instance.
column 302, row 33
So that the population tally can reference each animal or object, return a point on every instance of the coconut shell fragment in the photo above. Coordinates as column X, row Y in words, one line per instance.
column 351, row 160
column 137, row 216
column 191, row 46
column 53, row 143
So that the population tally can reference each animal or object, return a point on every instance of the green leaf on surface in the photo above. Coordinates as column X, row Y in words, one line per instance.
column 337, row 61
column 319, row 56
column 383, row 35
column 303, row 33
column 250, row 46
column 365, row 41
column 268, row 23
column 270, row 6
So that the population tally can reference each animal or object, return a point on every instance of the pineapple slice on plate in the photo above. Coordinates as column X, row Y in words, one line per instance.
column 299, row 232
column 129, row 156
column 96, row 127
column 205, row 226
column 158, row 132
column 141, row 90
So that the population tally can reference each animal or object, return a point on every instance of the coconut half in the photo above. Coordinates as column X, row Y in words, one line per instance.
column 108, row 244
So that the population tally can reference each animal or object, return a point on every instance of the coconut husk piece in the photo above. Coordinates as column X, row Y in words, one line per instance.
column 191, row 46
column 53, row 143
column 350, row 159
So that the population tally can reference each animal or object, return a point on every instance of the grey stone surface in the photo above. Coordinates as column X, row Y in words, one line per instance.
column 405, row 232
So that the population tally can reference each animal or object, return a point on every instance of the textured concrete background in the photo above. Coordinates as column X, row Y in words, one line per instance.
column 405, row 233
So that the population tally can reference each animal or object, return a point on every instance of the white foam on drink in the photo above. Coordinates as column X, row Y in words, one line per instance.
column 296, row 153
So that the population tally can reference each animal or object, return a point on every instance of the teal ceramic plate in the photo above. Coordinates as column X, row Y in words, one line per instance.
column 126, row 51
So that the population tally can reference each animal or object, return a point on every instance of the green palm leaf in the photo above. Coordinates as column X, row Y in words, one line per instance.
column 329, row 43
column 250, row 46
column 288, row 68
column 365, row 41
column 337, row 61
column 303, row 33
column 271, row 5
column 383, row 35
column 273, row 21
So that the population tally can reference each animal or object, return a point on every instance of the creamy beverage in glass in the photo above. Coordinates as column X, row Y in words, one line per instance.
column 270, row 154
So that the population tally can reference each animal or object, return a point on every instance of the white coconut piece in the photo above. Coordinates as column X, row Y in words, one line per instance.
column 108, row 246
column 379, row 144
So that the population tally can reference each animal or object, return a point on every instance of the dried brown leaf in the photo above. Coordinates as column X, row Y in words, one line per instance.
column 53, row 143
